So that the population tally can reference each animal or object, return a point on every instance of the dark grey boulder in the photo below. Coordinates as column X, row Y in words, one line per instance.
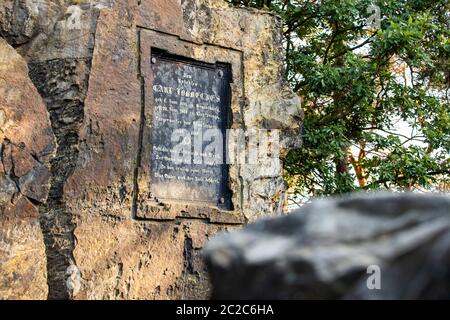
column 339, row 248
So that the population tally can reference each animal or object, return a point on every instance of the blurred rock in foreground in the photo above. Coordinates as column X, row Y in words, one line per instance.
column 334, row 248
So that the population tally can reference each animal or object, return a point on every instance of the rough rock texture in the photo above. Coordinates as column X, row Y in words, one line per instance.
column 323, row 250
column 27, row 144
column 63, row 84
column 100, row 191
column 59, row 66
column 21, row 20
column 88, row 60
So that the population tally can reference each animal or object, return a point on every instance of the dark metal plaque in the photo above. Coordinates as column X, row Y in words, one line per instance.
column 190, row 118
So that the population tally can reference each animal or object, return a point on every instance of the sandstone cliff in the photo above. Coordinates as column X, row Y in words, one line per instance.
column 86, row 60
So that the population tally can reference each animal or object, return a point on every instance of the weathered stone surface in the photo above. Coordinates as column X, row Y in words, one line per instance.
column 60, row 63
column 63, row 84
column 323, row 250
column 21, row 21
column 99, row 193
column 152, row 260
column 27, row 144
column 88, row 60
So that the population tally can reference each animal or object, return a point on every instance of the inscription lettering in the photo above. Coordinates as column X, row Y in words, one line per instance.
column 190, row 106
column 185, row 93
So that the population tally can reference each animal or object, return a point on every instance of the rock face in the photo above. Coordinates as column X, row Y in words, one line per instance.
column 27, row 144
column 105, row 237
column 336, row 249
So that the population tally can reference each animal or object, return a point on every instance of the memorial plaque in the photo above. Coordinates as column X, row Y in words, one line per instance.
column 190, row 118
